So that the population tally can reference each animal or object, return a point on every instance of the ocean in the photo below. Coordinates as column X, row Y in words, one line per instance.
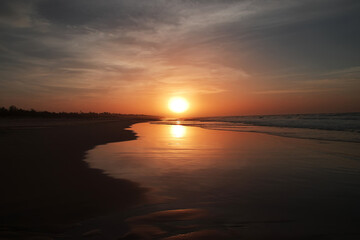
column 331, row 127
column 261, row 177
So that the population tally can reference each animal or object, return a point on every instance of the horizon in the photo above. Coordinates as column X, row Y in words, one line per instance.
column 173, row 117
column 224, row 57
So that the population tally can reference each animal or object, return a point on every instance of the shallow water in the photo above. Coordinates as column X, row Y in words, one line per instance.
column 232, row 185
column 339, row 133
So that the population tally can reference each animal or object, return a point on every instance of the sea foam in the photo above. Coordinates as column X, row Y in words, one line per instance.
column 332, row 127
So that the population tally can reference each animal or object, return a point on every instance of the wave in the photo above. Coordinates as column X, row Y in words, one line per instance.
column 331, row 127
column 335, row 121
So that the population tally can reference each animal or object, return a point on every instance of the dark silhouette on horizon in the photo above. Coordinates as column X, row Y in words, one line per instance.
column 14, row 112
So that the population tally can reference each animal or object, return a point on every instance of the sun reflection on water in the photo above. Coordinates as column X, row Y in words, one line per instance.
column 177, row 131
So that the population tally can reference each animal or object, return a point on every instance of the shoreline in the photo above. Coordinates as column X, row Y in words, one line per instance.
column 50, row 194
column 46, row 185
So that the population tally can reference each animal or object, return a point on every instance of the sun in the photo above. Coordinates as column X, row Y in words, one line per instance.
column 178, row 104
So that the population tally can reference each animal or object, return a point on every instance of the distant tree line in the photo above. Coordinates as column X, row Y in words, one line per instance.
column 14, row 112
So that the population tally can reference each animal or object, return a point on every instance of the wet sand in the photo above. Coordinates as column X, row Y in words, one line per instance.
column 46, row 186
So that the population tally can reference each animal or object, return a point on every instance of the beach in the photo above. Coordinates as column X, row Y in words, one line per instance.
column 129, row 179
column 46, row 187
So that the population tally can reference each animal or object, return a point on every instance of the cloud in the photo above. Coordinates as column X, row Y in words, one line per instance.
column 73, row 46
column 105, row 14
column 16, row 13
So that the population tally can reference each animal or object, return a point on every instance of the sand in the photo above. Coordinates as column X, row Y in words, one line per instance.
column 46, row 186
column 212, row 184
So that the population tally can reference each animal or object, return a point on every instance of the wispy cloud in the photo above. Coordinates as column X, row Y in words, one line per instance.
column 74, row 47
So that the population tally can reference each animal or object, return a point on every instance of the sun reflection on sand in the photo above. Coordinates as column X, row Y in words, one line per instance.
column 177, row 131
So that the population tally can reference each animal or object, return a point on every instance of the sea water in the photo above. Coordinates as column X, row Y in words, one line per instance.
column 332, row 127
column 250, row 184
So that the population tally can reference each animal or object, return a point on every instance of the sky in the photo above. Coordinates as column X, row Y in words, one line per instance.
column 226, row 57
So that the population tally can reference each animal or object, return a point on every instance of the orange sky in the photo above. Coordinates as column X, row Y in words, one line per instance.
column 225, row 57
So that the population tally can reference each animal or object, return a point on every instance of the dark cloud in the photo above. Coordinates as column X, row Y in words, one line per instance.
column 105, row 14
column 64, row 45
column 10, row 8
column 16, row 13
column 318, row 36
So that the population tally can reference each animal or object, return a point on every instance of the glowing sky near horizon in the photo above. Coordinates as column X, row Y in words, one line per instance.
column 226, row 57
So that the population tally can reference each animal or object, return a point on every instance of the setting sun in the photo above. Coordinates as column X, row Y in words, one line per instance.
column 178, row 104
